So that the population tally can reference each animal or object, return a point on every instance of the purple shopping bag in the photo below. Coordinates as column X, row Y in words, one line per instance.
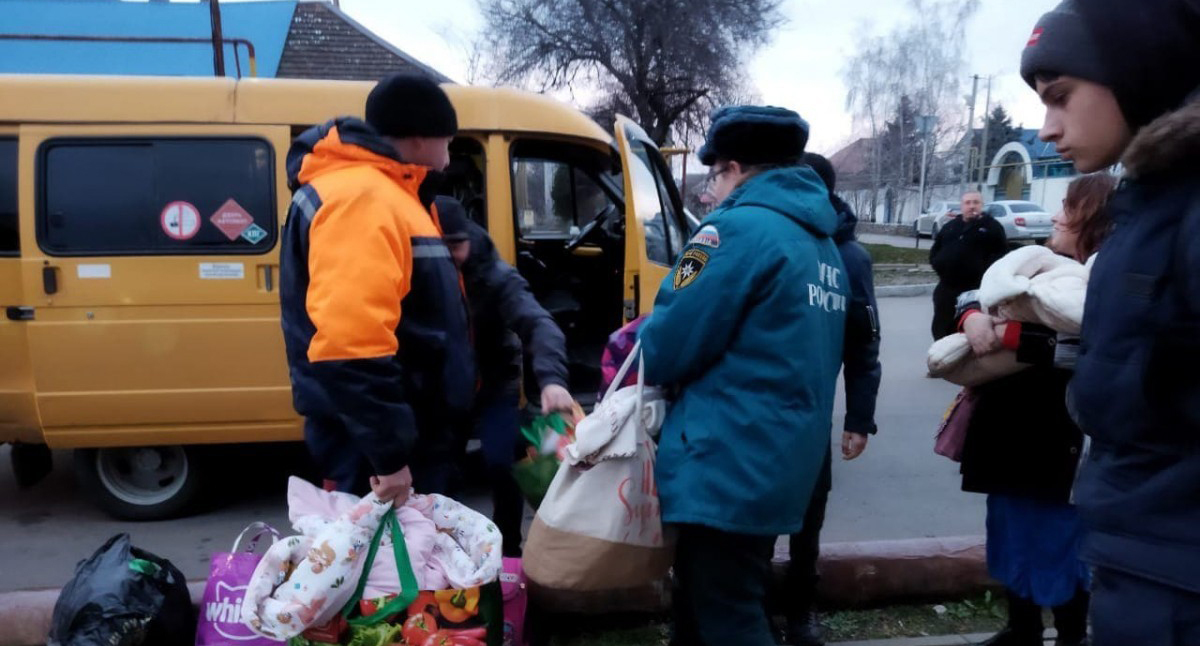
column 221, row 610
column 516, row 598
column 952, row 433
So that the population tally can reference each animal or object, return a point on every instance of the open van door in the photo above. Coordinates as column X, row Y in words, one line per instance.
column 655, row 229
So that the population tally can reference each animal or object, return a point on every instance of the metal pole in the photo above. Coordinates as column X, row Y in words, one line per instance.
column 218, row 40
column 921, row 194
column 987, row 117
column 968, row 171
column 921, row 199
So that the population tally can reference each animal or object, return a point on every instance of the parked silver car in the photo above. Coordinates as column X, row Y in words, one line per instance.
column 930, row 222
column 1022, row 220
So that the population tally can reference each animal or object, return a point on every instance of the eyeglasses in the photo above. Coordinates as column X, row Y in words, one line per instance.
column 713, row 174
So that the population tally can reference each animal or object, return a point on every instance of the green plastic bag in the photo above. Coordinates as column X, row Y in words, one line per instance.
column 547, row 435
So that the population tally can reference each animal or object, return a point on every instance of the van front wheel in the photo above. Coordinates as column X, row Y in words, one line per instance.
column 140, row 482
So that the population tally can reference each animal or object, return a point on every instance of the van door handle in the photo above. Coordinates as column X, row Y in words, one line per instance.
column 19, row 313
column 633, row 305
column 267, row 277
column 50, row 280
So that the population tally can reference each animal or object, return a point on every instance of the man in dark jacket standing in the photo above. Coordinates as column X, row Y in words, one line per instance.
column 963, row 250
column 374, row 320
column 505, row 318
column 862, row 373
column 1116, row 88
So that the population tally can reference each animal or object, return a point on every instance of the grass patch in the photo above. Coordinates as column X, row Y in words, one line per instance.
column 889, row 277
column 980, row 615
column 887, row 254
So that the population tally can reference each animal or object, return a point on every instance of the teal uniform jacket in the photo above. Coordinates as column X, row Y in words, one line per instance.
column 748, row 328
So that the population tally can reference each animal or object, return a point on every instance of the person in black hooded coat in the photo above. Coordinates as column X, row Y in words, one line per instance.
column 505, row 319
column 862, row 374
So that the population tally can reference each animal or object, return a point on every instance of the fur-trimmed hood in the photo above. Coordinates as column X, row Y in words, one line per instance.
column 1170, row 142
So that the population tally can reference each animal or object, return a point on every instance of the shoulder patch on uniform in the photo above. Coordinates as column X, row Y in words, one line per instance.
column 707, row 236
column 689, row 268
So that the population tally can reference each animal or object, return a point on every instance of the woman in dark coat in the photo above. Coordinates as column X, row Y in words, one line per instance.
column 1022, row 450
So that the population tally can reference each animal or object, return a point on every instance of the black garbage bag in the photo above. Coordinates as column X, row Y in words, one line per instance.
column 124, row 596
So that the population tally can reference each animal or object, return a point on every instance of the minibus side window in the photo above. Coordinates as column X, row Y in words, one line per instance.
column 554, row 199
column 150, row 196
column 10, row 243
column 545, row 206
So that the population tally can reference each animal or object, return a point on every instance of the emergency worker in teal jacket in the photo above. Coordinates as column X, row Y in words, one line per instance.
column 747, row 332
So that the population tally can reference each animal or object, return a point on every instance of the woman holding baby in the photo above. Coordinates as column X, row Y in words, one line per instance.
column 1022, row 448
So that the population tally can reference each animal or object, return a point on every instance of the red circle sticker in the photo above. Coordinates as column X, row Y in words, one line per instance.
column 180, row 220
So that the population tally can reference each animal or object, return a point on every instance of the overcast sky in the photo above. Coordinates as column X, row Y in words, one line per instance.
column 800, row 69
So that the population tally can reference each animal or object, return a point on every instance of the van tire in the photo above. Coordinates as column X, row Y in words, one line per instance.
column 141, row 483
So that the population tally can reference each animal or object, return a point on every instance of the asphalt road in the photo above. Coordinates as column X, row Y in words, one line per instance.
column 897, row 489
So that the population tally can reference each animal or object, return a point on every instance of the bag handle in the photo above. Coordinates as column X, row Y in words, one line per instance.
column 262, row 528
column 408, row 580
column 634, row 353
column 641, row 382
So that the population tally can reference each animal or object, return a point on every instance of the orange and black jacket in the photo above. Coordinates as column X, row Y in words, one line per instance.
column 374, row 317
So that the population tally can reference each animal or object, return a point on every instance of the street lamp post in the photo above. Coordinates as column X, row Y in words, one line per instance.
column 926, row 124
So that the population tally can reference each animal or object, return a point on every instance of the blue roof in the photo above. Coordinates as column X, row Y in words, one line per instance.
column 1037, row 148
column 265, row 24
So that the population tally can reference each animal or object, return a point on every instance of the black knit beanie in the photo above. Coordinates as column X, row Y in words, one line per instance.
column 453, row 219
column 1146, row 51
column 755, row 135
column 406, row 105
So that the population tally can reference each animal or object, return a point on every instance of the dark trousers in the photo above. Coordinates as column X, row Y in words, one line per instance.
column 1128, row 610
column 945, row 303
column 721, row 585
column 339, row 460
column 497, row 425
column 799, row 596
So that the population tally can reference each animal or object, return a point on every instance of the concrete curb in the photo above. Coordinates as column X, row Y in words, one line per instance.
column 943, row 640
column 25, row 615
column 891, row 291
column 852, row 574
column 872, row 572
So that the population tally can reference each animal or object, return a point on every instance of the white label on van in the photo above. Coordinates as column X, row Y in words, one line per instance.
column 222, row 271
column 94, row 271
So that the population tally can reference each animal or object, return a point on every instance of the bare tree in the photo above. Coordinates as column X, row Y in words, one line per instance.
column 666, row 62
column 870, row 98
column 920, row 63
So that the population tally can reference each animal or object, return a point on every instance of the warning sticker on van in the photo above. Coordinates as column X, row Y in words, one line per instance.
column 231, row 219
column 254, row 234
column 180, row 220
column 222, row 271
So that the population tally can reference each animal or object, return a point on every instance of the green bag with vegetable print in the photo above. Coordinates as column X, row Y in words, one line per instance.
column 470, row 617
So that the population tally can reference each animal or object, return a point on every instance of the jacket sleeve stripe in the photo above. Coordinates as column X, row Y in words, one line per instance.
column 430, row 251
column 303, row 202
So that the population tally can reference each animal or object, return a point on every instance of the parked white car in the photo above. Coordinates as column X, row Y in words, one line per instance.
column 930, row 222
column 1022, row 220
